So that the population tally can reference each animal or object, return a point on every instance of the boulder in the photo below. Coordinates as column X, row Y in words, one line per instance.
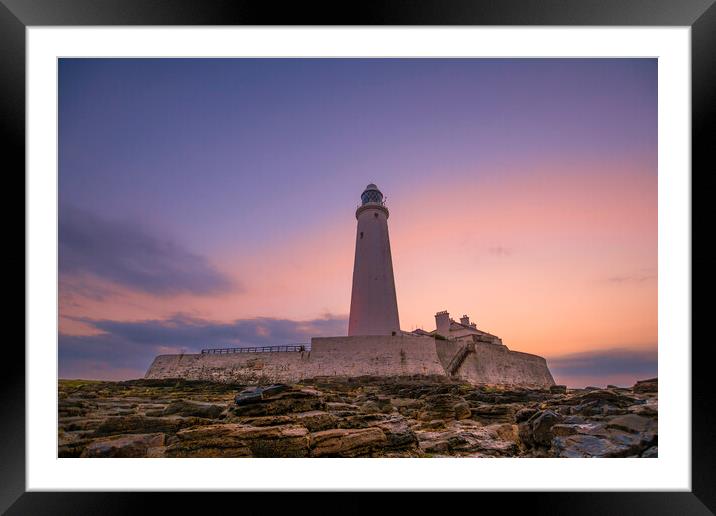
column 342, row 442
column 541, row 426
column 134, row 445
column 558, row 389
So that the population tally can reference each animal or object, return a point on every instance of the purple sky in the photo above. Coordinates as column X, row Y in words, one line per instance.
column 176, row 173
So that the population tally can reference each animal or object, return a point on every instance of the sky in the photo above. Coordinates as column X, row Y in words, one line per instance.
column 211, row 203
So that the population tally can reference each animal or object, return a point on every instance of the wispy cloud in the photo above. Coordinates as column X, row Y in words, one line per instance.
column 132, row 345
column 499, row 250
column 129, row 255
column 630, row 278
column 605, row 366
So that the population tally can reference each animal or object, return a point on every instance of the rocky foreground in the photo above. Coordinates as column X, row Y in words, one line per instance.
column 353, row 417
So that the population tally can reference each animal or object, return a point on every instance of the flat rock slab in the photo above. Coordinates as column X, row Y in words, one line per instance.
column 136, row 445
column 236, row 440
column 575, row 446
column 342, row 442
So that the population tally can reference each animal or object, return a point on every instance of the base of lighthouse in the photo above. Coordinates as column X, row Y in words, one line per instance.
column 378, row 355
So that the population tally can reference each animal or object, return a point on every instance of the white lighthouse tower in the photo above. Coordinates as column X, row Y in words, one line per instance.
column 374, row 307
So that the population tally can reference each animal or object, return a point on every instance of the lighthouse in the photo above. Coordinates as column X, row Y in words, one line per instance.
column 374, row 307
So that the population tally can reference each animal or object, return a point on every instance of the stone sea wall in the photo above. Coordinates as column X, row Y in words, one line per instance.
column 356, row 356
column 329, row 356
column 496, row 364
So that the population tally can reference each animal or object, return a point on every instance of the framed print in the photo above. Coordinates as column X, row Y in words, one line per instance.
column 413, row 249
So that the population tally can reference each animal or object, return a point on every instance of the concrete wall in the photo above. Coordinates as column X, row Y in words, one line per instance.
column 497, row 364
column 329, row 356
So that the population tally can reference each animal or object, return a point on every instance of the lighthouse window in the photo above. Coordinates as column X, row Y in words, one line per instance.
column 361, row 235
column 375, row 215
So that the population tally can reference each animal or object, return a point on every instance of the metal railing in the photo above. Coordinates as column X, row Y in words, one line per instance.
column 259, row 349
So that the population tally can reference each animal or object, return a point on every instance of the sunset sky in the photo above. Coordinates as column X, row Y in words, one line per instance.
column 211, row 203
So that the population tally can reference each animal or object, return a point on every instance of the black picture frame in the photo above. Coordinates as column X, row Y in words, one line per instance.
column 700, row 15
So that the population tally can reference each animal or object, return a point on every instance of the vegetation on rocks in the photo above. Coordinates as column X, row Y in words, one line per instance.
column 417, row 416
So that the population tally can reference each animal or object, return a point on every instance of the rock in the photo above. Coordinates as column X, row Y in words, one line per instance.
column 558, row 389
column 262, row 420
column 398, row 433
column 442, row 406
column 632, row 423
column 504, row 431
column 524, row 414
column 144, row 425
column 281, row 403
column 492, row 413
column 236, row 440
column 189, row 408
column 475, row 441
column 651, row 453
column 316, row 420
column 462, row 410
column 249, row 396
column 561, row 430
column 73, row 448
column 542, row 426
column 379, row 405
column 437, row 446
column 587, row 446
column 353, row 417
column 135, row 445
column 341, row 407
column 258, row 393
column 650, row 385
column 342, row 442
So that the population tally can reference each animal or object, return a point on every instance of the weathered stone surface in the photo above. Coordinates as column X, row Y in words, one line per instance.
column 143, row 425
column 650, row 385
column 189, row 408
column 136, row 445
column 632, row 423
column 651, row 453
column 282, row 403
column 524, row 414
column 342, row 442
column 537, row 430
column 443, row 406
column 236, row 440
column 316, row 420
column 416, row 416
column 587, row 446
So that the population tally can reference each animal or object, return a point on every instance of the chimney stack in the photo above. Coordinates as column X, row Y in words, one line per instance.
column 465, row 320
column 442, row 323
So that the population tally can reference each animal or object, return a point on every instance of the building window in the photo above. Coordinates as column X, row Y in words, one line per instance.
column 361, row 235
column 375, row 215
